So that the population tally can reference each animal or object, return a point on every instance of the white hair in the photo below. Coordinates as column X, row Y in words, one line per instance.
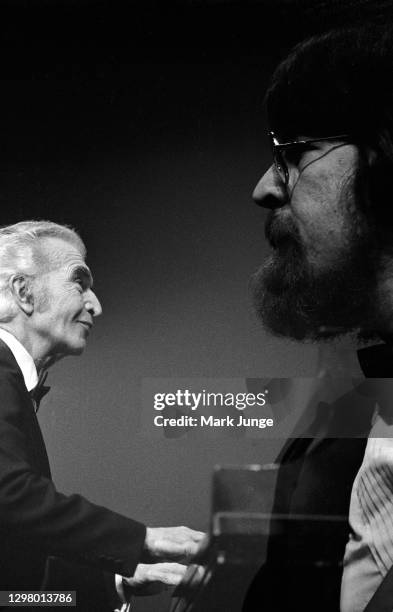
column 21, row 252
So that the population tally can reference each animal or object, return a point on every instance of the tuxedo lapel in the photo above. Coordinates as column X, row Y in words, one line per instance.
column 35, row 442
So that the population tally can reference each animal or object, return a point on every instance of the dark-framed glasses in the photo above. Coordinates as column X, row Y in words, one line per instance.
column 279, row 149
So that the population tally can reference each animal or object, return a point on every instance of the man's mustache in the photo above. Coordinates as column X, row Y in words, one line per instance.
column 280, row 229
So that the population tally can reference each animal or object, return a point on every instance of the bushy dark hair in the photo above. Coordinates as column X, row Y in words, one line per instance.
column 338, row 82
column 341, row 82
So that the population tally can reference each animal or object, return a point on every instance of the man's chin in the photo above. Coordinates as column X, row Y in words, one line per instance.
column 280, row 319
column 79, row 348
column 293, row 302
column 272, row 305
column 75, row 348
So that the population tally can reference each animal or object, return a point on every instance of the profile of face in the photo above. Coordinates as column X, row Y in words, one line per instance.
column 64, row 302
column 319, row 276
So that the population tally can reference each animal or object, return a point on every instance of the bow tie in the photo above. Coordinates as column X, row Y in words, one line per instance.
column 377, row 361
column 40, row 390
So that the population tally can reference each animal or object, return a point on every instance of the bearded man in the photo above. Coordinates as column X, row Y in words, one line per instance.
column 329, row 193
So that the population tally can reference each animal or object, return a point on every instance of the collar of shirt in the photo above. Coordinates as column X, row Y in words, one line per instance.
column 23, row 359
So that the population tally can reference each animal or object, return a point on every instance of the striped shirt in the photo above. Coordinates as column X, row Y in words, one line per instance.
column 369, row 552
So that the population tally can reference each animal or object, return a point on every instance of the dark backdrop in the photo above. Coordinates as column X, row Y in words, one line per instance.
column 145, row 131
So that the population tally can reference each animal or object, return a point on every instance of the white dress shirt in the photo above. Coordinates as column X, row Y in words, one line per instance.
column 22, row 358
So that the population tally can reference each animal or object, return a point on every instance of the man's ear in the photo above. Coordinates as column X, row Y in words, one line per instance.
column 20, row 287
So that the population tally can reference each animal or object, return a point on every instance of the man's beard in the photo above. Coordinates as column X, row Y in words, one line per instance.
column 296, row 299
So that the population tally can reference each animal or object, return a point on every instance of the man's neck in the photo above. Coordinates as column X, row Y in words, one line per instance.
column 339, row 358
column 33, row 345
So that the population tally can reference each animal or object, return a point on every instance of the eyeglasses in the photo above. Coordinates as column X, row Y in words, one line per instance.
column 278, row 149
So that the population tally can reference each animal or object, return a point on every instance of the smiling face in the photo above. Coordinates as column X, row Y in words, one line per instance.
column 64, row 303
column 318, row 278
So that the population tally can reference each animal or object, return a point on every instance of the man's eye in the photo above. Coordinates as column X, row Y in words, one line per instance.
column 293, row 155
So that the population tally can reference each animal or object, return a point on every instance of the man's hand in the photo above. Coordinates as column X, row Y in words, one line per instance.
column 172, row 543
column 150, row 579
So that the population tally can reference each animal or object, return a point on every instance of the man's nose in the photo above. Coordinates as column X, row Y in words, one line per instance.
column 92, row 304
column 270, row 192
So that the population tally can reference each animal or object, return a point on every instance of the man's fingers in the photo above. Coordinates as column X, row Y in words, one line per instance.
column 170, row 574
column 173, row 543
column 146, row 575
column 196, row 535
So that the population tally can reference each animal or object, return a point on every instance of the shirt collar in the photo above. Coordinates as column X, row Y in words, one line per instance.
column 22, row 358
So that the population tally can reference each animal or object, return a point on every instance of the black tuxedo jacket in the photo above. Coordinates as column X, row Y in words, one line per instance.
column 37, row 522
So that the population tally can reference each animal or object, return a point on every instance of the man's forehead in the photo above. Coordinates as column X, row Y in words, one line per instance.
column 61, row 245
column 61, row 253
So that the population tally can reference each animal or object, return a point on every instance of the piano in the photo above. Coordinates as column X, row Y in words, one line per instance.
column 242, row 532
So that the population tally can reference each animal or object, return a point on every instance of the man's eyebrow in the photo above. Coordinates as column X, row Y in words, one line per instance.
column 84, row 274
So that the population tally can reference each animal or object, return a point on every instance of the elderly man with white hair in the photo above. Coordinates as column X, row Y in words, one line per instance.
column 47, row 309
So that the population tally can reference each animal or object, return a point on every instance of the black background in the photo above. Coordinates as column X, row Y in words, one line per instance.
column 142, row 125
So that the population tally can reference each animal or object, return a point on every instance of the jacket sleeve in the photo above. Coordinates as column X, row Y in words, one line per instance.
column 32, row 510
